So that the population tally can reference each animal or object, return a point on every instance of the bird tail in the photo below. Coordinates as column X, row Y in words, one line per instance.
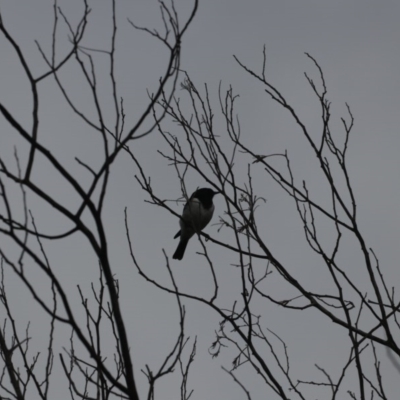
column 180, row 250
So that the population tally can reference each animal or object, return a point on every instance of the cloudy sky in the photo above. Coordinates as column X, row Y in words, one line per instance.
column 356, row 44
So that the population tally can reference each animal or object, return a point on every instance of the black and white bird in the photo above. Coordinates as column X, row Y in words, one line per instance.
column 197, row 213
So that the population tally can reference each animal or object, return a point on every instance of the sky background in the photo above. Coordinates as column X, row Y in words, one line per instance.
column 356, row 44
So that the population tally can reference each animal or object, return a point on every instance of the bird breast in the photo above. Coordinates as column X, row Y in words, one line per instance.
column 196, row 215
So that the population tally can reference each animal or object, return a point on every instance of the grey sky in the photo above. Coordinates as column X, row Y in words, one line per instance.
column 356, row 44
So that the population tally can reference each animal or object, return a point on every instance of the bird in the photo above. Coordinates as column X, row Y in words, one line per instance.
column 197, row 213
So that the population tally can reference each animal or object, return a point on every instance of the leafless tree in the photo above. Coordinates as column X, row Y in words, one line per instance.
column 27, row 372
column 358, row 299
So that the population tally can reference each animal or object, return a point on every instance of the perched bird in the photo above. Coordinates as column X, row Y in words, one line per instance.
column 197, row 213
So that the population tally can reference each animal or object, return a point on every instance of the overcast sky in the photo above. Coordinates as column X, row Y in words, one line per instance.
column 357, row 45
